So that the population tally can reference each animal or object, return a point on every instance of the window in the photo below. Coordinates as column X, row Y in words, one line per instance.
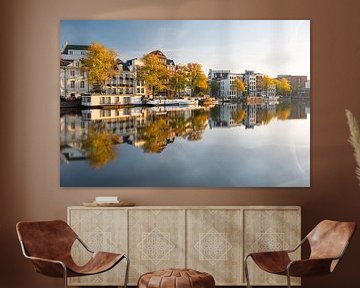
column 117, row 99
column 70, row 52
column 72, row 73
column 72, row 84
column 82, row 73
column 82, row 84
column 108, row 100
column 138, row 90
column 102, row 100
column 82, row 52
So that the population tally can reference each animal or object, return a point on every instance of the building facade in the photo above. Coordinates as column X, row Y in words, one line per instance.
column 73, row 81
column 298, row 84
column 250, row 79
column 227, row 89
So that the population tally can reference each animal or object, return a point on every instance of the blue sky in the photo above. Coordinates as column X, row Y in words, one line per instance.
column 267, row 46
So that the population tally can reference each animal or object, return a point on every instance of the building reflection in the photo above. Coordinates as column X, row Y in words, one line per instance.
column 88, row 133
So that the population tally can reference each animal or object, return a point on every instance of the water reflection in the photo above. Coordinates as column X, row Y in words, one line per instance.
column 95, row 135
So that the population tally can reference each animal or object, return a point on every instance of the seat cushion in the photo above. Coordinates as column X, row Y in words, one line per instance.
column 272, row 262
column 176, row 278
column 99, row 262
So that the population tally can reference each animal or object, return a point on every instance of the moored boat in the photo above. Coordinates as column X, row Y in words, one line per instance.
column 176, row 101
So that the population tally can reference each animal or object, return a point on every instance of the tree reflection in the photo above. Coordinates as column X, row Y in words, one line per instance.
column 99, row 145
column 198, row 124
column 283, row 111
column 161, row 131
column 238, row 115
column 264, row 116
column 155, row 136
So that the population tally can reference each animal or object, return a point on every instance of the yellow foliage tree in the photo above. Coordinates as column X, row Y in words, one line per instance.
column 100, row 64
column 266, row 82
column 177, row 79
column 154, row 73
column 196, row 79
column 239, row 86
column 283, row 86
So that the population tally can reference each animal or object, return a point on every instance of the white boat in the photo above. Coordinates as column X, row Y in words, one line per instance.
column 187, row 101
column 176, row 101
column 271, row 98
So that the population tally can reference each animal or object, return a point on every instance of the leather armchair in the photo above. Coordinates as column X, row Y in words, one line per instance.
column 48, row 245
column 328, row 242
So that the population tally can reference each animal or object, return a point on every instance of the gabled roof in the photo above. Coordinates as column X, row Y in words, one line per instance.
column 125, row 68
column 74, row 47
column 170, row 62
column 158, row 53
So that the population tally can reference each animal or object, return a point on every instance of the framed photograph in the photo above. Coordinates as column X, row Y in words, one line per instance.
column 184, row 103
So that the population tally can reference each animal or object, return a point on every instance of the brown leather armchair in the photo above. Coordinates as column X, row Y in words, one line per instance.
column 328, row 242
column 48, row 245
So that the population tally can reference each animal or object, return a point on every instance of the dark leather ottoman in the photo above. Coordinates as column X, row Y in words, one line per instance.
column 176, row 278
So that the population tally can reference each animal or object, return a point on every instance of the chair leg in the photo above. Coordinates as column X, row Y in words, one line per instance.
column 65, row 277
column 246, row 270
column 288, row 278
column 127, row 271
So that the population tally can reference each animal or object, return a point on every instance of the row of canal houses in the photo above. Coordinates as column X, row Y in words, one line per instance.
column 127, row 89
column 124, row 89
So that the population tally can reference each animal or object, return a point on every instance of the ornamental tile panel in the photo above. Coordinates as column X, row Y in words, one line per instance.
column 100, row 230
column 270, row 230
column 214, row 244
column 156, row 241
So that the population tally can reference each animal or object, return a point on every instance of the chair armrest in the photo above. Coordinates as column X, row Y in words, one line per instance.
column 309, row 267
column 48, row 267
column 268, row 253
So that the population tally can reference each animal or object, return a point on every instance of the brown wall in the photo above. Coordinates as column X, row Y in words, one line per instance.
column 29, row 114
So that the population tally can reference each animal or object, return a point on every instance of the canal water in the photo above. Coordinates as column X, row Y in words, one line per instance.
column 227, row 145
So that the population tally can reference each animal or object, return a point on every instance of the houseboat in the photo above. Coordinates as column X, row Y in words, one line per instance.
column 110, row 100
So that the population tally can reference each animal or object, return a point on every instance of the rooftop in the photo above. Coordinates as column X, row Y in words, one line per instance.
column 74, row 47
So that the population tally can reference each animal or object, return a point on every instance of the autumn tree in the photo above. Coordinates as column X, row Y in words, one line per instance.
column 196, row 79
column 153, row 73
column 100, row 64
column 283, row 86
column 238, row 85
column 266, row 83
column 177, row 79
